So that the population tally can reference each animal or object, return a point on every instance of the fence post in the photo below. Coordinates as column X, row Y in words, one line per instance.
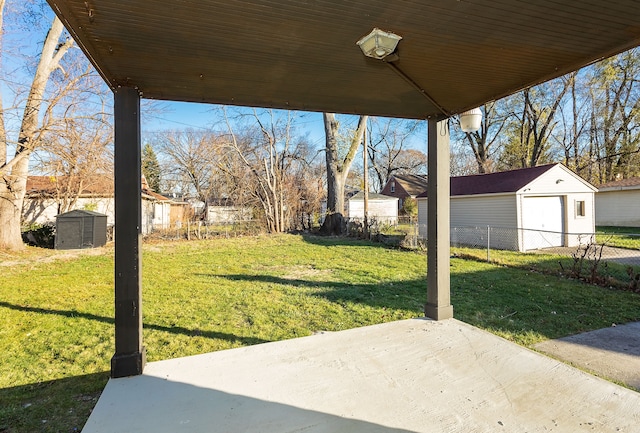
column 488, row 243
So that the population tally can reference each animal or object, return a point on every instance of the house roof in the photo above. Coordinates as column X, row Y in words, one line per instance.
column 630, row 183
column 155, row 195
column 453, row 56
column 96, row 185
column 92, row 186
column 413, row 184
column 493, row 183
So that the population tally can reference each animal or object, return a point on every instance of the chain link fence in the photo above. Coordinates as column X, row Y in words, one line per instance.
column 192, row 230
column 623, row 246
column 608, row 257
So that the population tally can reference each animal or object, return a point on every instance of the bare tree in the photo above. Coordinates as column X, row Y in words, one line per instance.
column 79, row 155
column 190, row 160
column 615, row 127
column 529, row 142
column 390, row 152
column 571, row 133
column 338, row 166
column 274, row 161
column 484, row 143
column 34, row 125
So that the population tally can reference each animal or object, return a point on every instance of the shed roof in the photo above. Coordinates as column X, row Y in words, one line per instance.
column 373, row 196
column 80, row 213
column 494, row 183
column 454, row 55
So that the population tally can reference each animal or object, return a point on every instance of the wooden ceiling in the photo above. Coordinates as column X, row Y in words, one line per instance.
column 302, row 54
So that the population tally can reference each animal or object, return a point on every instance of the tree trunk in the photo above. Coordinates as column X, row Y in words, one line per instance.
column 334, row 220
column 14, row 173
column 337, row 171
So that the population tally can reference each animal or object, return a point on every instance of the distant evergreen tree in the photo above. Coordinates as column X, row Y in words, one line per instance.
column 151, row 167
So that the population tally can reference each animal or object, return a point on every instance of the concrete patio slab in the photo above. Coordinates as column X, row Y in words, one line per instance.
column 407, row 376
column 612, row 353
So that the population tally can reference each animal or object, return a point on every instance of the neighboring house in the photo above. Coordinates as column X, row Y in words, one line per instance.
column 404, row 186
column 45, row 198
column 618, row 203
column 526, row 209
column 381, row 208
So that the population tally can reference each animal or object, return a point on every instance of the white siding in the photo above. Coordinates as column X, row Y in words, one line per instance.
column 228, row 214
column 384, row 211
column 618, row 208
column 482, row 211
column 161, row 215
column 41, row 211
column 557, row 181
column 580, row 228
column 471, row 215
column 422, row 217
column 147, row 217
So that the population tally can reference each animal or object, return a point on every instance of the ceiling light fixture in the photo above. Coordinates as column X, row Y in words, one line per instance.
column 378, row 44
column 471, row 120
column 381, row 45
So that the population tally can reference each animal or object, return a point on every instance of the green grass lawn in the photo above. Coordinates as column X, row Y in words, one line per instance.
column 57, row 308
column 622, row 237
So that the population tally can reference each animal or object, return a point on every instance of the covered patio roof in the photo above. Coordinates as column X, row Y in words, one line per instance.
column 454, row 55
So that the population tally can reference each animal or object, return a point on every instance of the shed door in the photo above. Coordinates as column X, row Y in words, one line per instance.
column 542, row 222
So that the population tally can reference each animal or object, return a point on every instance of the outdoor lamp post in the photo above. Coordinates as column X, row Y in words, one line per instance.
column 470, row 120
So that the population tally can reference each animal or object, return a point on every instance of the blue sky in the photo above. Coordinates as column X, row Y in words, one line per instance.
column 25, row 39
column 187, row 115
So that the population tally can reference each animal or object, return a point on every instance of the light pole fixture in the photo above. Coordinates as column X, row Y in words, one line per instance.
column 471, row 120
column 378, row 44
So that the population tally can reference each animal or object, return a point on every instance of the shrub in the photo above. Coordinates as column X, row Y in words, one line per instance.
column 39, row 235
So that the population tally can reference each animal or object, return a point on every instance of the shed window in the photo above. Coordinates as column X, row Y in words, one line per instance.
column 393, row 186
column 580, row 208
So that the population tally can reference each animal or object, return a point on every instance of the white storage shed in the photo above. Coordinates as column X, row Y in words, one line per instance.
column 618, row 203
column 381, row 208
column 525, row 209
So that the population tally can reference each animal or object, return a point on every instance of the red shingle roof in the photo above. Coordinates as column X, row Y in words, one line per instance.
column 99, row 185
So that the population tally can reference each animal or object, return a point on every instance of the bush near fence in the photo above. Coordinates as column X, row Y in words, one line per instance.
column 606, row 258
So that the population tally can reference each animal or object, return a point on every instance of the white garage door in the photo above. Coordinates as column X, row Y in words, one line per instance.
column 542, row 222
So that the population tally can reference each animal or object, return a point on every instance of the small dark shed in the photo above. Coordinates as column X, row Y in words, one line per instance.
column 80, row 229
